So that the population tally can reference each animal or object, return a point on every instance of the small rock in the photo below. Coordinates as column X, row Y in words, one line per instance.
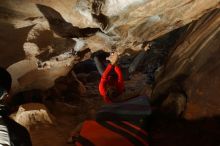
column 33, row 114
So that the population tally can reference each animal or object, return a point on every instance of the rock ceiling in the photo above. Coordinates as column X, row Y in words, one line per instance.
column 39, row 38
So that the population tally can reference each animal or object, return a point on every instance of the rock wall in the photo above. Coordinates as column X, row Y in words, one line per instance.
column 194, row 66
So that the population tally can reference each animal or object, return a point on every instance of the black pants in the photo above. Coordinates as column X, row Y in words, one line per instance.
column 100, row 65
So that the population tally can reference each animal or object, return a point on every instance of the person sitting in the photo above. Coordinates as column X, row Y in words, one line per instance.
column 124, row 123
column 11, row 133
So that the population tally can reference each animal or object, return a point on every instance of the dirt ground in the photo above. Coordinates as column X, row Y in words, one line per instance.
column 165, row 129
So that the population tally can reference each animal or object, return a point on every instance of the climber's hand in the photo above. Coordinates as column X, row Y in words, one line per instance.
column 113, row 58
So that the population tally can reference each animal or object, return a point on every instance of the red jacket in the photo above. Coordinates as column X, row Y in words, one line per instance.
column 105, row 80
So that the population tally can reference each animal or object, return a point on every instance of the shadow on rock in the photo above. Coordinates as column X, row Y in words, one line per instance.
column 63, row 28
column 167, row 131
column 11, row 43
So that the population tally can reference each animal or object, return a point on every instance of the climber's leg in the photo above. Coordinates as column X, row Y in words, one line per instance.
column 99, row 65
column 137, row 60
column 99, row 58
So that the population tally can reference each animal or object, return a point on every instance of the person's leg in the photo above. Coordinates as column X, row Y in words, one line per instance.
column 99, row 65
column 99, row 58
column 137, row 60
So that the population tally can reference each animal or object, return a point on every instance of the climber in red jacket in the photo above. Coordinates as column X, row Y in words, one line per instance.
column 110, row 86
column 112, row 83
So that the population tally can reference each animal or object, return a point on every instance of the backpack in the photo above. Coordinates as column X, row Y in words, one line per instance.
column 111, row 133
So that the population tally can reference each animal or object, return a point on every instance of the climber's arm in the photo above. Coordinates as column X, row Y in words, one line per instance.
column 102, row 84
column 120, row 78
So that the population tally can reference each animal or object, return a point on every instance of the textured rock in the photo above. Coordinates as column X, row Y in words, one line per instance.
column 141, row 20
column 41, row 31
column 41, row 40
column 26, row 74
column 43, row 126
column 194, row 66
column 32, row 115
